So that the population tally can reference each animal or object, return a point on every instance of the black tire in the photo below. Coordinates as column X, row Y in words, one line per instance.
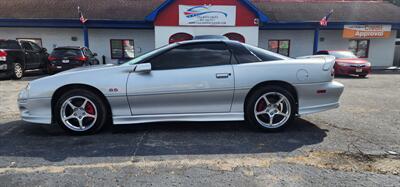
column 17, row 71
column 99, row 105
column 250, row 108
column 362, row 76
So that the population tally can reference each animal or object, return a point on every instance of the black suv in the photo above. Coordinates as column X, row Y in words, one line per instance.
column 68, row 57
column 18, row 56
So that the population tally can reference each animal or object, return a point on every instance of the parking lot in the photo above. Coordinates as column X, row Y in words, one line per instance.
column 353, row 145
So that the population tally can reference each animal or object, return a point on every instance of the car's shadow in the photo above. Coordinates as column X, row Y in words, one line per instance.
column 51, row 143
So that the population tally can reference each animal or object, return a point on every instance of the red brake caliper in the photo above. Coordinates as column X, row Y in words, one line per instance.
column 261, row 105
column 89, row 108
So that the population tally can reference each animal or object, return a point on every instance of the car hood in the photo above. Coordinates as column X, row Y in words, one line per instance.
column 86, row 68
column 351, row 60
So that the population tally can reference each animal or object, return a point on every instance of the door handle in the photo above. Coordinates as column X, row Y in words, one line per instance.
column 222, row 75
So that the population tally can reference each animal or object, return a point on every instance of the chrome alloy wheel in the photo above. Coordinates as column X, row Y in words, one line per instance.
column 18, row 71
column 78, row 113
column 272, row 110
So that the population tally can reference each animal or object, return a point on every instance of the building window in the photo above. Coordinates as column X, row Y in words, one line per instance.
column 178, row 37
column 279, row 46
column 359, row 47
column 34, row 40
column 235, row 36
column 122, row 49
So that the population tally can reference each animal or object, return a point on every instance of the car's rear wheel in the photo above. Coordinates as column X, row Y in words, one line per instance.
column 17, row 71
column 80, row 112
column 270, row 108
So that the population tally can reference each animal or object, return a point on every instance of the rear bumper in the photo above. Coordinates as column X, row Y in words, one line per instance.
column 57, row 67
column 318, row 97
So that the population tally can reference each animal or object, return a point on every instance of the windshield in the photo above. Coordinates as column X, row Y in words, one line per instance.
column 148, row 54
column 342, row 54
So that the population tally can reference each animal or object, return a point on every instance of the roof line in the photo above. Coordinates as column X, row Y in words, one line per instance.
column 75, row 23
column 261, row 16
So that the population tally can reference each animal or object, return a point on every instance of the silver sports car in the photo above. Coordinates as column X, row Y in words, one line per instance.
column 197, row 80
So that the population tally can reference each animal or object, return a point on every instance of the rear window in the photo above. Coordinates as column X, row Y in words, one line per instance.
column 9, row 44
column 266, row 55
column 66, row 52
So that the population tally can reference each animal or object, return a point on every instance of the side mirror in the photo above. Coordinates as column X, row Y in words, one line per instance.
column 44, row 49
column 94, row 54
column 145, row 68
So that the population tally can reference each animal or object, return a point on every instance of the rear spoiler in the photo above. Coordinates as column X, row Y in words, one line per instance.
column 329, row 60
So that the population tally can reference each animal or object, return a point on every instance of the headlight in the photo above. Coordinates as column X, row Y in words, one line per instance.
column 343, row 64
column 368, row 64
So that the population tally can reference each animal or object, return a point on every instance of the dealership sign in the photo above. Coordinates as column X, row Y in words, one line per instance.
column 207, row 15
column 367, row 31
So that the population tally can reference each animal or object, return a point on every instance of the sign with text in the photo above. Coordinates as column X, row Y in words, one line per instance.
column 367, row 31
column 207, row 15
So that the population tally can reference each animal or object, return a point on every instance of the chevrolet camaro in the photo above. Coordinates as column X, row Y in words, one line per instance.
column 197, row 80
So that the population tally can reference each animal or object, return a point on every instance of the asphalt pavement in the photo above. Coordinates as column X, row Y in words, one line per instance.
column 354, row 145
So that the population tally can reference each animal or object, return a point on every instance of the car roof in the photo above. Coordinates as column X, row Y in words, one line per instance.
column 206, row 40
column 69, row 47
column 205, row 37
column 336, row 50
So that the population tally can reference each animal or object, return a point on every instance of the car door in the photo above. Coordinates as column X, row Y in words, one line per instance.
column 39, row 55
column 91, row 57
column 189, row 78
column 30, row 62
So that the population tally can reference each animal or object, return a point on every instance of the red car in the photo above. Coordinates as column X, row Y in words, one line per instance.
column 347, row 63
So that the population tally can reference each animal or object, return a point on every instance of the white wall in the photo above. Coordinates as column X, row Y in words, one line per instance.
column 162, row 33
column 99, row 41
column 381, row 51
column 301, row 41
column 51, row 37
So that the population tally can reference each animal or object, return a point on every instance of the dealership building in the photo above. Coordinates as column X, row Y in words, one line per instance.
column 118, row 30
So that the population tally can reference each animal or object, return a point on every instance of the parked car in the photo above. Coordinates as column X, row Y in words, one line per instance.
column 18, row 56
column 68, row 57
column 197, row 80
column 347, row 63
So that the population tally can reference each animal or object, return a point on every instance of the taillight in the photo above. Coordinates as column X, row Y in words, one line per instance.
column 3, row 55
column 51, row 58
column 81, row 58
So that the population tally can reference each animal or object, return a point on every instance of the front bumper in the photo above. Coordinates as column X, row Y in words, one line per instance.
column 37, row 110
column 350, row 70
column 318, row 97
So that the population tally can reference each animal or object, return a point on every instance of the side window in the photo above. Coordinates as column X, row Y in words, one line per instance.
column 89, row 53
column 26, row 46
column 242, row 54
column 35, row 47
column 192, row 55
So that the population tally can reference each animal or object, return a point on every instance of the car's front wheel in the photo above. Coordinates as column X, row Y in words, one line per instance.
column 80, row 112
column 270, row 108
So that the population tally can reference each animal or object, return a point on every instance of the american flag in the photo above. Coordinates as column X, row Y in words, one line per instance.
column 81, row 17
column 324, row 20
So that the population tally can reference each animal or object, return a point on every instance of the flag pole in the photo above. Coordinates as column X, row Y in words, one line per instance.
column 84, row 28
column 86, row 35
